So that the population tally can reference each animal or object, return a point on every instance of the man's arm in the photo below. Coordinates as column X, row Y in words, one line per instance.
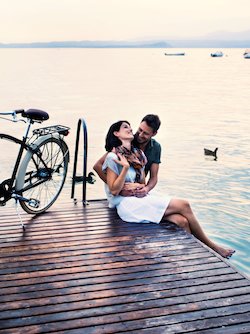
column 153, row 178
column 98, row 168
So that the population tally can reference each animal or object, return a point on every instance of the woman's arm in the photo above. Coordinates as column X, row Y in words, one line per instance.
column 135, row 188
column 116, row 182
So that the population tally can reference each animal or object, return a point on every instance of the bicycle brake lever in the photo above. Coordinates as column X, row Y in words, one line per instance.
column 15, row 120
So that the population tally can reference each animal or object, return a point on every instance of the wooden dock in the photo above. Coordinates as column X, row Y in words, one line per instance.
column 81, row 270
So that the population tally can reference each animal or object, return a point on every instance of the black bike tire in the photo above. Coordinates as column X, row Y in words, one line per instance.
column 65, row 154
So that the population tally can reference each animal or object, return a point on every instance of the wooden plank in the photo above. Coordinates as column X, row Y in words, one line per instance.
column 130, row 296
column 82, row 270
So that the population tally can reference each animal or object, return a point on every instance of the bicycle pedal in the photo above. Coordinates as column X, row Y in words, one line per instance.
column 34, row 203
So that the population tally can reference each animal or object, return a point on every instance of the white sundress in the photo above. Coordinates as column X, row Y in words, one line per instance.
column 148, row 209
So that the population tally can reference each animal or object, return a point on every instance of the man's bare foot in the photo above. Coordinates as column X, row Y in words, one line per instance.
column 224, row 252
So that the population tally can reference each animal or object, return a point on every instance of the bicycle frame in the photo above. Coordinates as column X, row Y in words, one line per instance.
column 7, row 187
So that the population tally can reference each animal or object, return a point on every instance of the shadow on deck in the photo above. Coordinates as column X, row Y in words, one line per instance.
column 82, row 270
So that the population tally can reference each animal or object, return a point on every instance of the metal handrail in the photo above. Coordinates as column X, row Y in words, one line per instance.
column 85, row 154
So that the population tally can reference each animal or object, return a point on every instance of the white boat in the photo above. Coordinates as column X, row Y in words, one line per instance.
column 246, row 54
column 175, row 54
column 217, row 54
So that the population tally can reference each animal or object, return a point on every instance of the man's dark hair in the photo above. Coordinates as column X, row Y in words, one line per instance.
column 153, row 121
column 111, row 140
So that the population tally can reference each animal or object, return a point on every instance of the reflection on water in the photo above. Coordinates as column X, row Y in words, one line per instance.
column 203, row 103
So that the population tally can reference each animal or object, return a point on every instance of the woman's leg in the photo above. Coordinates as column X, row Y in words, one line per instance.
column 179, row 220
column 182, row 207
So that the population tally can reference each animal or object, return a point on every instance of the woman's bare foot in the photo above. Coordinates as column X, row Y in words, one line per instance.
column 224, row 252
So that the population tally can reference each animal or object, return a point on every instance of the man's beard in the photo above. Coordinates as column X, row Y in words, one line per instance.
column 138, row 140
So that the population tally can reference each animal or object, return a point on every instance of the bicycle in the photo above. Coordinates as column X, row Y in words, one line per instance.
column 37, row 177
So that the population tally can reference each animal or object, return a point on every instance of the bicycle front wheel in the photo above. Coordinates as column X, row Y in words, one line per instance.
column 42, row 175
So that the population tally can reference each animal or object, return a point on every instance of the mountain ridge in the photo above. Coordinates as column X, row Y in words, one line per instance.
column 221, row 39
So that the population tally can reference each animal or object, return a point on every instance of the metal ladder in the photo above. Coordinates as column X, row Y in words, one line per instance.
column 83, row 178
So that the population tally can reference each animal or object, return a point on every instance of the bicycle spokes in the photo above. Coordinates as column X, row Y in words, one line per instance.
column 45, row 175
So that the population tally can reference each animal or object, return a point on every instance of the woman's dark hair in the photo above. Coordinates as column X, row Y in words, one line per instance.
column 111, row 140
column 153, row 121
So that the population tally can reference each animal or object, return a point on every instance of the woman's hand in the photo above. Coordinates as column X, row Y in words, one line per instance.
column 116, row 182
column 122, row 161
column 131, row 188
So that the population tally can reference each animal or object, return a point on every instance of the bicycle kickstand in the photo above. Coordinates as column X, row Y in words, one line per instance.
column 18, row 213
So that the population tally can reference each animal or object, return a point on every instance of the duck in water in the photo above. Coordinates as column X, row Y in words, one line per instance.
column 210, row 153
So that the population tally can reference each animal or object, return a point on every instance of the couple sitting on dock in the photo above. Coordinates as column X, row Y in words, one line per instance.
column 123, row 168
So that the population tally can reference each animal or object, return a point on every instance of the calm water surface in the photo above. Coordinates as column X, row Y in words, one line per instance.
column 202, row 102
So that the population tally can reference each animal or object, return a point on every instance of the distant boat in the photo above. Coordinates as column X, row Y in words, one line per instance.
column 246, row 54
column 175, row 54
column 217, row 54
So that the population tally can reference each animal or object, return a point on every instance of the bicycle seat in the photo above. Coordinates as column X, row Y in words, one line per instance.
column 36, row 114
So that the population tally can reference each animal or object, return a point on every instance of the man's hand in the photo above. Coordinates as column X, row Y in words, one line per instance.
column 129, row 188
column 142, row 192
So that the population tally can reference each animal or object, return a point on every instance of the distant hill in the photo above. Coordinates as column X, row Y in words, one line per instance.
column 218, row 39
column 89, row 44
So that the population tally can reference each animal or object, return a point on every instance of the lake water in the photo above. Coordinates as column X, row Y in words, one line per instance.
column 202, row 102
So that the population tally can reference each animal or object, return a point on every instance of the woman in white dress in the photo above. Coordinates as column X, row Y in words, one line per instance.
column 124, row 166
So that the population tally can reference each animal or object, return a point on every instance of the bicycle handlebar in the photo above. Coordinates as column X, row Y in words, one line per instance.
column 18, row 111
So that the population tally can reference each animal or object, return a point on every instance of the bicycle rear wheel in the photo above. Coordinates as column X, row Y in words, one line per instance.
column 42, row 175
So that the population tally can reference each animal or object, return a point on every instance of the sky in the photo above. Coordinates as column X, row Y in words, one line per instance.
column 62, row 20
